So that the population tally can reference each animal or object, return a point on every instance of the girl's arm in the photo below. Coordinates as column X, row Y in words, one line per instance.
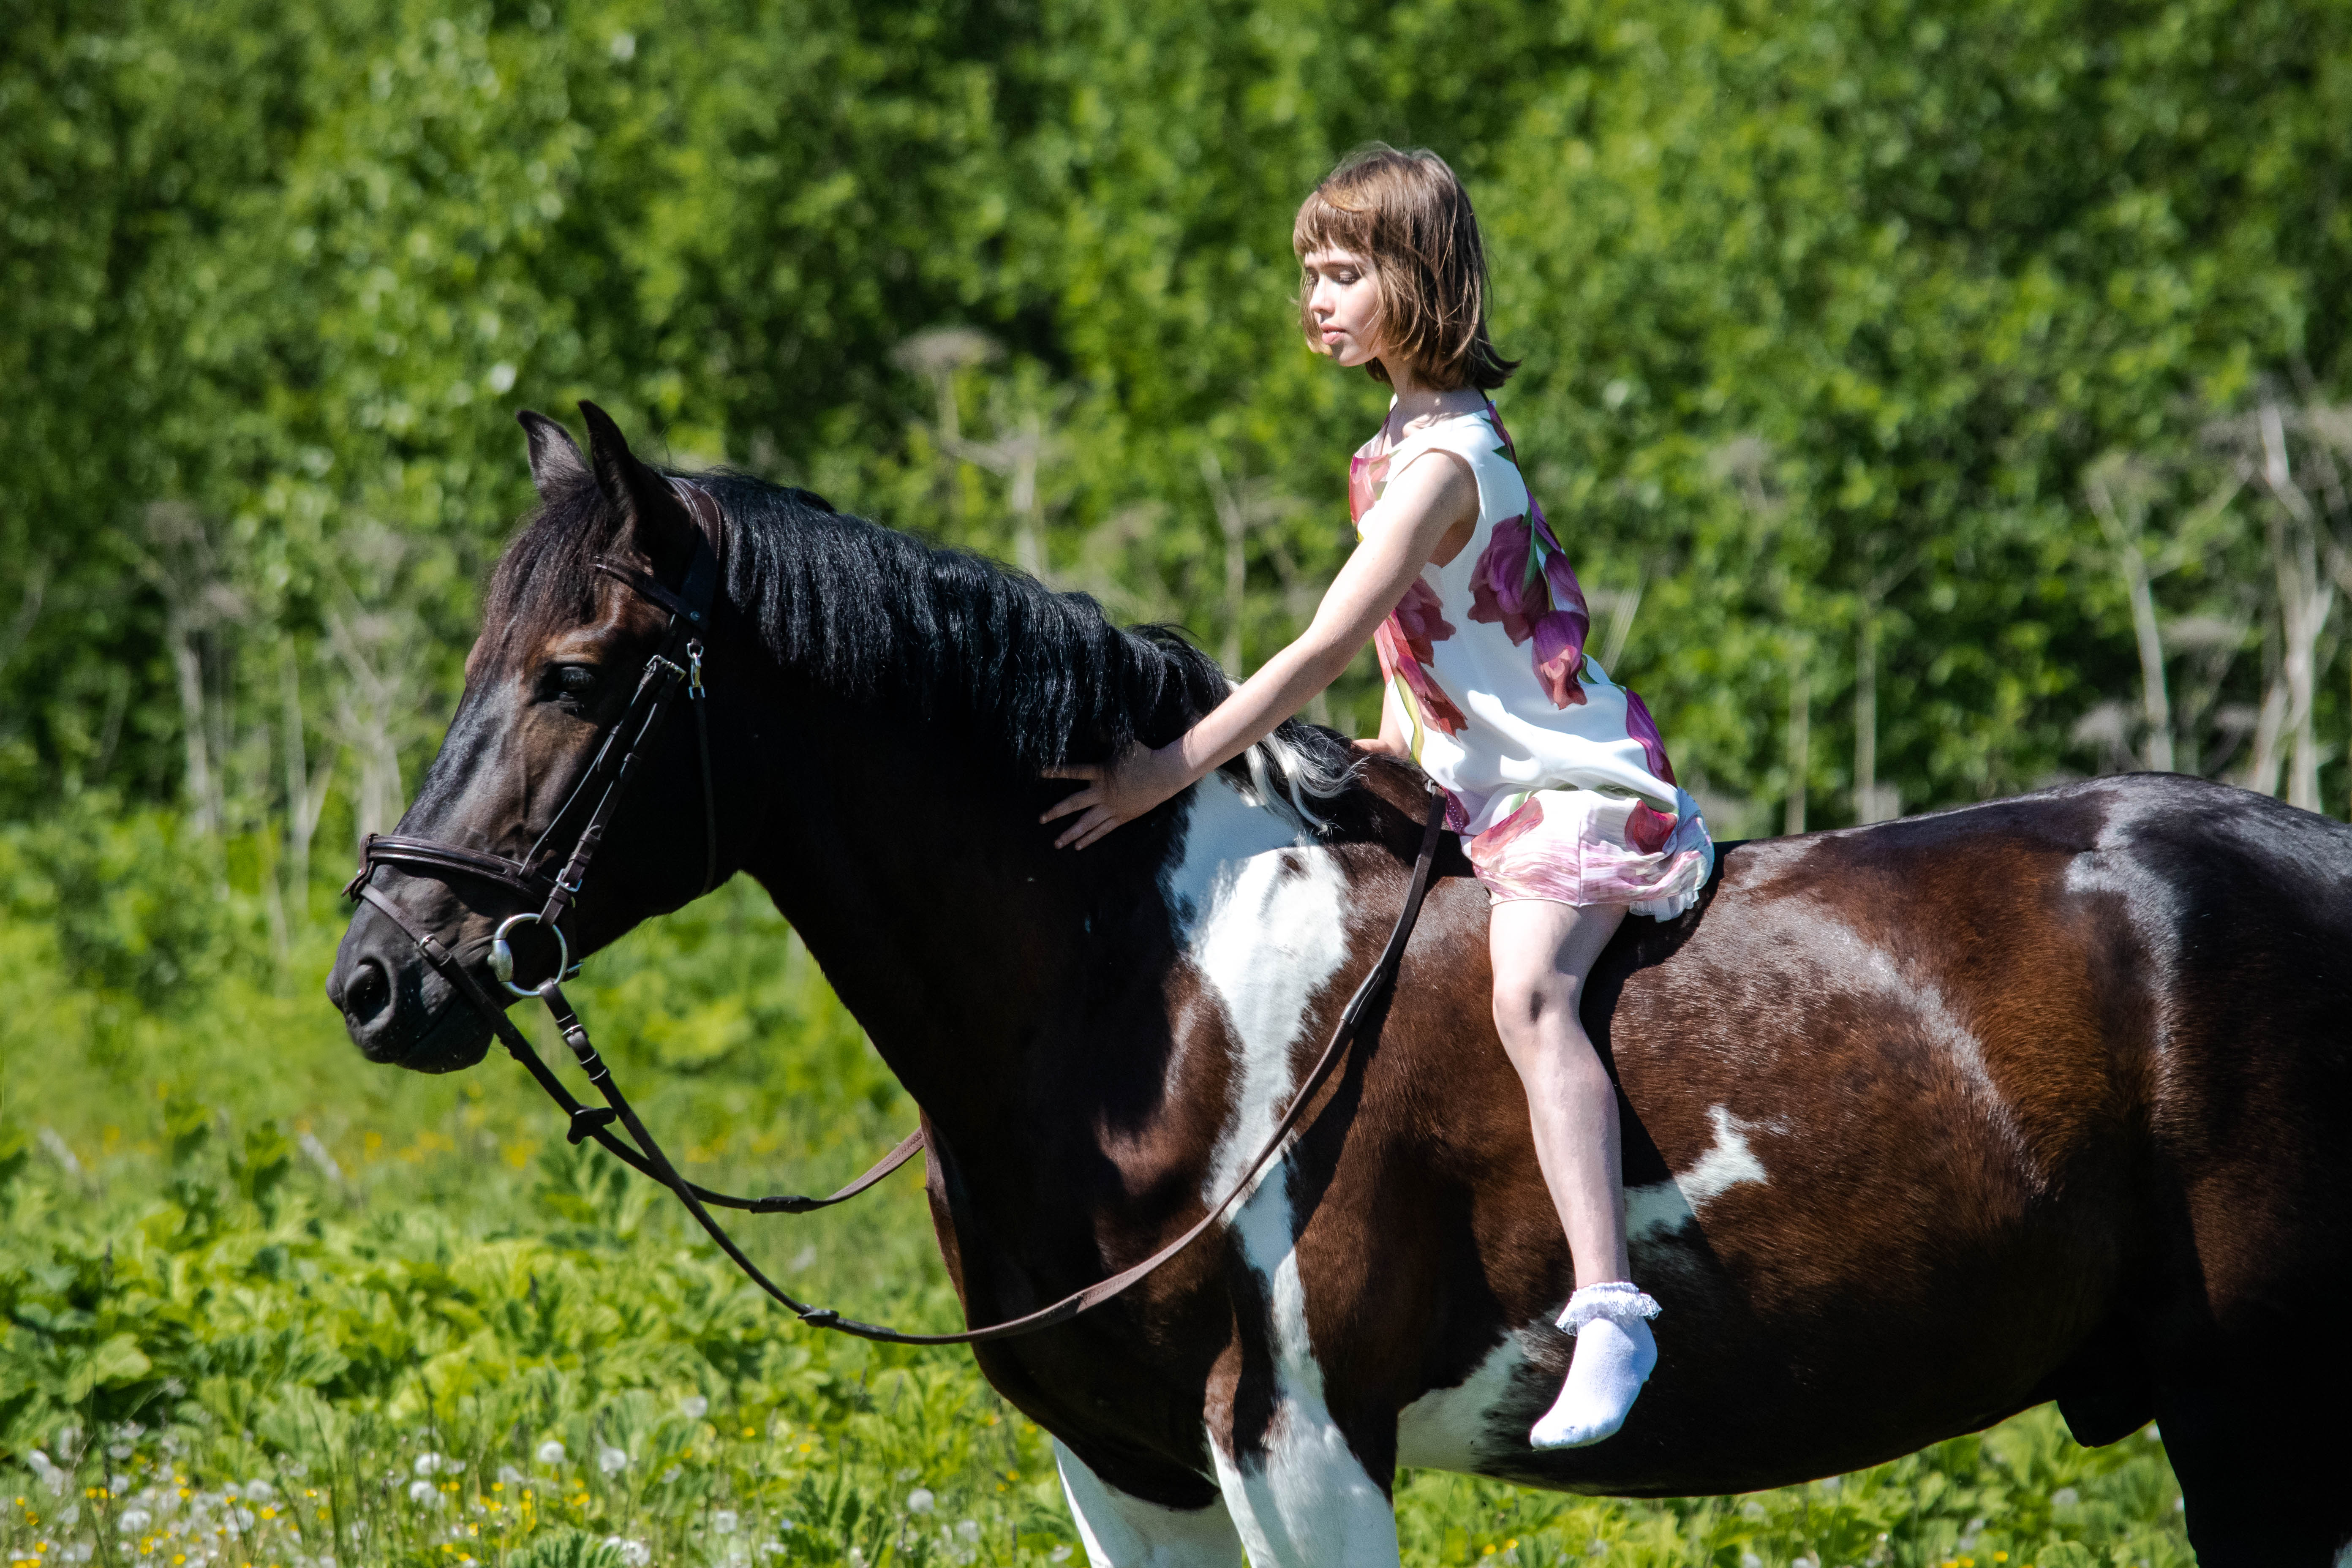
column 1421, row 508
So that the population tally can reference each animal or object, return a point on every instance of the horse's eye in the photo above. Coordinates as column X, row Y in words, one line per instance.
column 575, row 679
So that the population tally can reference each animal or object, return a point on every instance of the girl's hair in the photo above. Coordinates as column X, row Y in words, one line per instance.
column 1410, row 218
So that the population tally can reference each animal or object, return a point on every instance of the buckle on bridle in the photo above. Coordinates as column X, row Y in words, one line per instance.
column 502, row 955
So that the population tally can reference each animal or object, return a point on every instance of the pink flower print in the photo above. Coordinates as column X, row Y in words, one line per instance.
column 1648, row 828
column 1645, row 729
column 1364, row 478
column 1499, row 589
column 1420, row 620
column 1397, row 663
column 1560, row 655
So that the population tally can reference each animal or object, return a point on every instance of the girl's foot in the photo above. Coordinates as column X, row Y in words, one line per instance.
column 1614, row 1353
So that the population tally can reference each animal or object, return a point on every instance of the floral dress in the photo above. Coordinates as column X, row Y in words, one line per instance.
column 1560, row 782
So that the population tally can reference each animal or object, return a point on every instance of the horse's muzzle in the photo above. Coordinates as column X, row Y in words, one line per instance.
column 394, row 1007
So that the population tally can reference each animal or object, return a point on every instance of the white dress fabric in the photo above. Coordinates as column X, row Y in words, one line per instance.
column 1561, row 781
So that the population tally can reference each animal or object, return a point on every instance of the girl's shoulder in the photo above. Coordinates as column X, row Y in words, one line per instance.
column 1474, row 433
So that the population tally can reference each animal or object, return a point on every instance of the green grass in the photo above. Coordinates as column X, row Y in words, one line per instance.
column 266, row 1304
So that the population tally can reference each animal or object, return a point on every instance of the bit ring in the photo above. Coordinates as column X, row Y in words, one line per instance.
column 502, row 955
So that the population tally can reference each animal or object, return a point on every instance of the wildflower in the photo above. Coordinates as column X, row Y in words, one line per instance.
column 612, row 1460
column 509, row 1477
column 422, row 1493
column 723, row 1522
column 634, row 1553
column 428, row 1464
column 920, row 1500
column 551, row 1452
column 694, row 1406
column 134, row 1520
column 2064, row 1496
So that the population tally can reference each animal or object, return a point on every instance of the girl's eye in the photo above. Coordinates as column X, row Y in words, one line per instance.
column 575, row 679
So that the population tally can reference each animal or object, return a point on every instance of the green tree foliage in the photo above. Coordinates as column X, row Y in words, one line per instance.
column 1828, row 313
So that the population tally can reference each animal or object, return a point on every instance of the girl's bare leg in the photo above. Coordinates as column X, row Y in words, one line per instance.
column 1542, row 953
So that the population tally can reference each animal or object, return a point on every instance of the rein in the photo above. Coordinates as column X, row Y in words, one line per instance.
column 616, row 768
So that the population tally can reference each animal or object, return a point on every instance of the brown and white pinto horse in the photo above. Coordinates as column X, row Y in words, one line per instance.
column 1927, row 1123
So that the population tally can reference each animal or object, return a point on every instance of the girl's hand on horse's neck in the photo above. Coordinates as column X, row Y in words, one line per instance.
column 1427, row 513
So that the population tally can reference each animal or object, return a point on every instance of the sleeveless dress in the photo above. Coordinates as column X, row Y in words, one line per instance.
column 1558, row 780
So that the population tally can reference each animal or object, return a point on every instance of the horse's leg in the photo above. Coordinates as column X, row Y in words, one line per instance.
column 2259, row 1455
column 1302, row 1498
column 1125, row 1532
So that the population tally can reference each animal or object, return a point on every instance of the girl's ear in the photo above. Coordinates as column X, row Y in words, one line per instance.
column 555, row 463
column 659, row 526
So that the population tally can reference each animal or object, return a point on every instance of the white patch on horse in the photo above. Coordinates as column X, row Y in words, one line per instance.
column 1262, row 912
column 1456, row 1428
column 1125, row 1531
column 1921, row 998
column 1661, row 1208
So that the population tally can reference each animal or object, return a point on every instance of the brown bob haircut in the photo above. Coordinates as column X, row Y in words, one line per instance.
column 1410, row 218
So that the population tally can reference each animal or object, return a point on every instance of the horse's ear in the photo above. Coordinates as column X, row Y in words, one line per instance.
column 555, row 463
column 658, row 521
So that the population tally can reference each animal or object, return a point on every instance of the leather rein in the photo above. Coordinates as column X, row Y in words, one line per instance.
column 614, row 769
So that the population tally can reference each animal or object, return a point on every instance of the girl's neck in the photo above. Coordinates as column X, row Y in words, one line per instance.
column 1417, row 401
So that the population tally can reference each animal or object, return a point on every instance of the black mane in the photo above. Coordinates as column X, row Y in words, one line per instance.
column 865, row 612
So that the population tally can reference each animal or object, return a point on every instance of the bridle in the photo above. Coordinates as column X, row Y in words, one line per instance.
column 615, row 768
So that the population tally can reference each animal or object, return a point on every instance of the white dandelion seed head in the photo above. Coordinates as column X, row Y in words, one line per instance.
column 428, row 1464
column 612, row 1460
column 423, row 1493
column 920, row 1500
column 551, row 1452
column 695, row 1406
column 723, row 1522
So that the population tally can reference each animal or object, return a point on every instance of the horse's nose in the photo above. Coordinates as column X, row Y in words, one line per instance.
column 366, row 987
column 367, row 992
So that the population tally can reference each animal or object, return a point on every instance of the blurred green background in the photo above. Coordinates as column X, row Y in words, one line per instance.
column 1936, row 400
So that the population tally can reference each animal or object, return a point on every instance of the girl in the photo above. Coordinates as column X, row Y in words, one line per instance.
column 1558, row 778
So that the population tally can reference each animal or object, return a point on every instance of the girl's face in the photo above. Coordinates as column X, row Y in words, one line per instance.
column 1343, row 302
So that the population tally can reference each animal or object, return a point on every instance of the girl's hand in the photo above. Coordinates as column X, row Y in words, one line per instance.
column 1117, row 793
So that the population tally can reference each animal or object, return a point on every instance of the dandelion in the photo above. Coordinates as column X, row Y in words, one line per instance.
column 635, row 1553
column 612, row 1460
column 551, row 1452
column 134, row 1520
column 723, row 1522
column 2064, row 1496
column 694, row 1406
column 920, row 1500
column 423, row 1493
column 509, row 1476
column 428, row 1464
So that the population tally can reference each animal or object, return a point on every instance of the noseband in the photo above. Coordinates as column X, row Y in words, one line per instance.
column 615, row 768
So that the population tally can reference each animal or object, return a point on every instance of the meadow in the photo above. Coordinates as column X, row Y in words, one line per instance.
column 265, row 1304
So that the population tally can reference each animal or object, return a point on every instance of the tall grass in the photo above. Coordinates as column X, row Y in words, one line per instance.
column 265, row 1304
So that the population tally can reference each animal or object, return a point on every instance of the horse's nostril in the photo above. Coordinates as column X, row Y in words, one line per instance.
column 369, row 993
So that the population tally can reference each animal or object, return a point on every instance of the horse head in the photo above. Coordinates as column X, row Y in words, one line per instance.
column 583, row 619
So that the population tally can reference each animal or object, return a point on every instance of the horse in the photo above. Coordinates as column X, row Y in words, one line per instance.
column 1925, row 1122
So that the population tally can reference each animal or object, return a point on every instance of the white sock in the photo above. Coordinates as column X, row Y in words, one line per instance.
column 1614, row 1353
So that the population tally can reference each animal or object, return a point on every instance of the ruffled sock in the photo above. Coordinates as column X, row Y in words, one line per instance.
column 1614, row 1353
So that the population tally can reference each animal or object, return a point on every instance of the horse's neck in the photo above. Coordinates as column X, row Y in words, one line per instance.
column 1024, row 995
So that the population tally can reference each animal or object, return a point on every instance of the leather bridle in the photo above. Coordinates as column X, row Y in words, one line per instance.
column 615, row 768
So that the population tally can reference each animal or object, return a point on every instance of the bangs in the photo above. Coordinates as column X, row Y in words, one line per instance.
column 1323, row 225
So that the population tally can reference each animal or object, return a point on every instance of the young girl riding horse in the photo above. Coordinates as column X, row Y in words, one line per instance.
column 1558, row 779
